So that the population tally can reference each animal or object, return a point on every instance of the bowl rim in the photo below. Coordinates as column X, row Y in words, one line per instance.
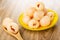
column 37, row 29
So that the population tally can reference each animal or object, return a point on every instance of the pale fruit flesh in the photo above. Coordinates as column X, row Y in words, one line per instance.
column 33, row 24
column 51, row 15
column 13, row 27
column 26, row 19
column 40, row 6
column 8, row 24
column 30, row 11
column 38, row 15
column 45, row 21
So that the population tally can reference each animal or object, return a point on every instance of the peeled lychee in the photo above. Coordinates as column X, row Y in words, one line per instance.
column 40, row 6
column 51, row 15
column 13, row 27
column 6, row 22
column 38, row 15
column 26, row 19
column 33, row 24
column 30, row 11
column 45, row 21
column 10, row 25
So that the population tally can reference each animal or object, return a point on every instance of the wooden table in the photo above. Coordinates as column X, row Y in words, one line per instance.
column 12, row 9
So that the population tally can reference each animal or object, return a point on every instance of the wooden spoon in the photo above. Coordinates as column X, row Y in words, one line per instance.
column 17, row 35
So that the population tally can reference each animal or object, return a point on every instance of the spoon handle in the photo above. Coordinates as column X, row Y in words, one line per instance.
column 18, row 36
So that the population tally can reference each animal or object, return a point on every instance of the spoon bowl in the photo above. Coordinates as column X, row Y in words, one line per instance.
column 17, row 35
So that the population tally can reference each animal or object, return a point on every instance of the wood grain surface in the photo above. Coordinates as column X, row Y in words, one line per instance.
column 12, row 9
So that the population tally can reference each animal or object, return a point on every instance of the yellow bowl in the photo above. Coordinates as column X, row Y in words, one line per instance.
column 54, row 21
